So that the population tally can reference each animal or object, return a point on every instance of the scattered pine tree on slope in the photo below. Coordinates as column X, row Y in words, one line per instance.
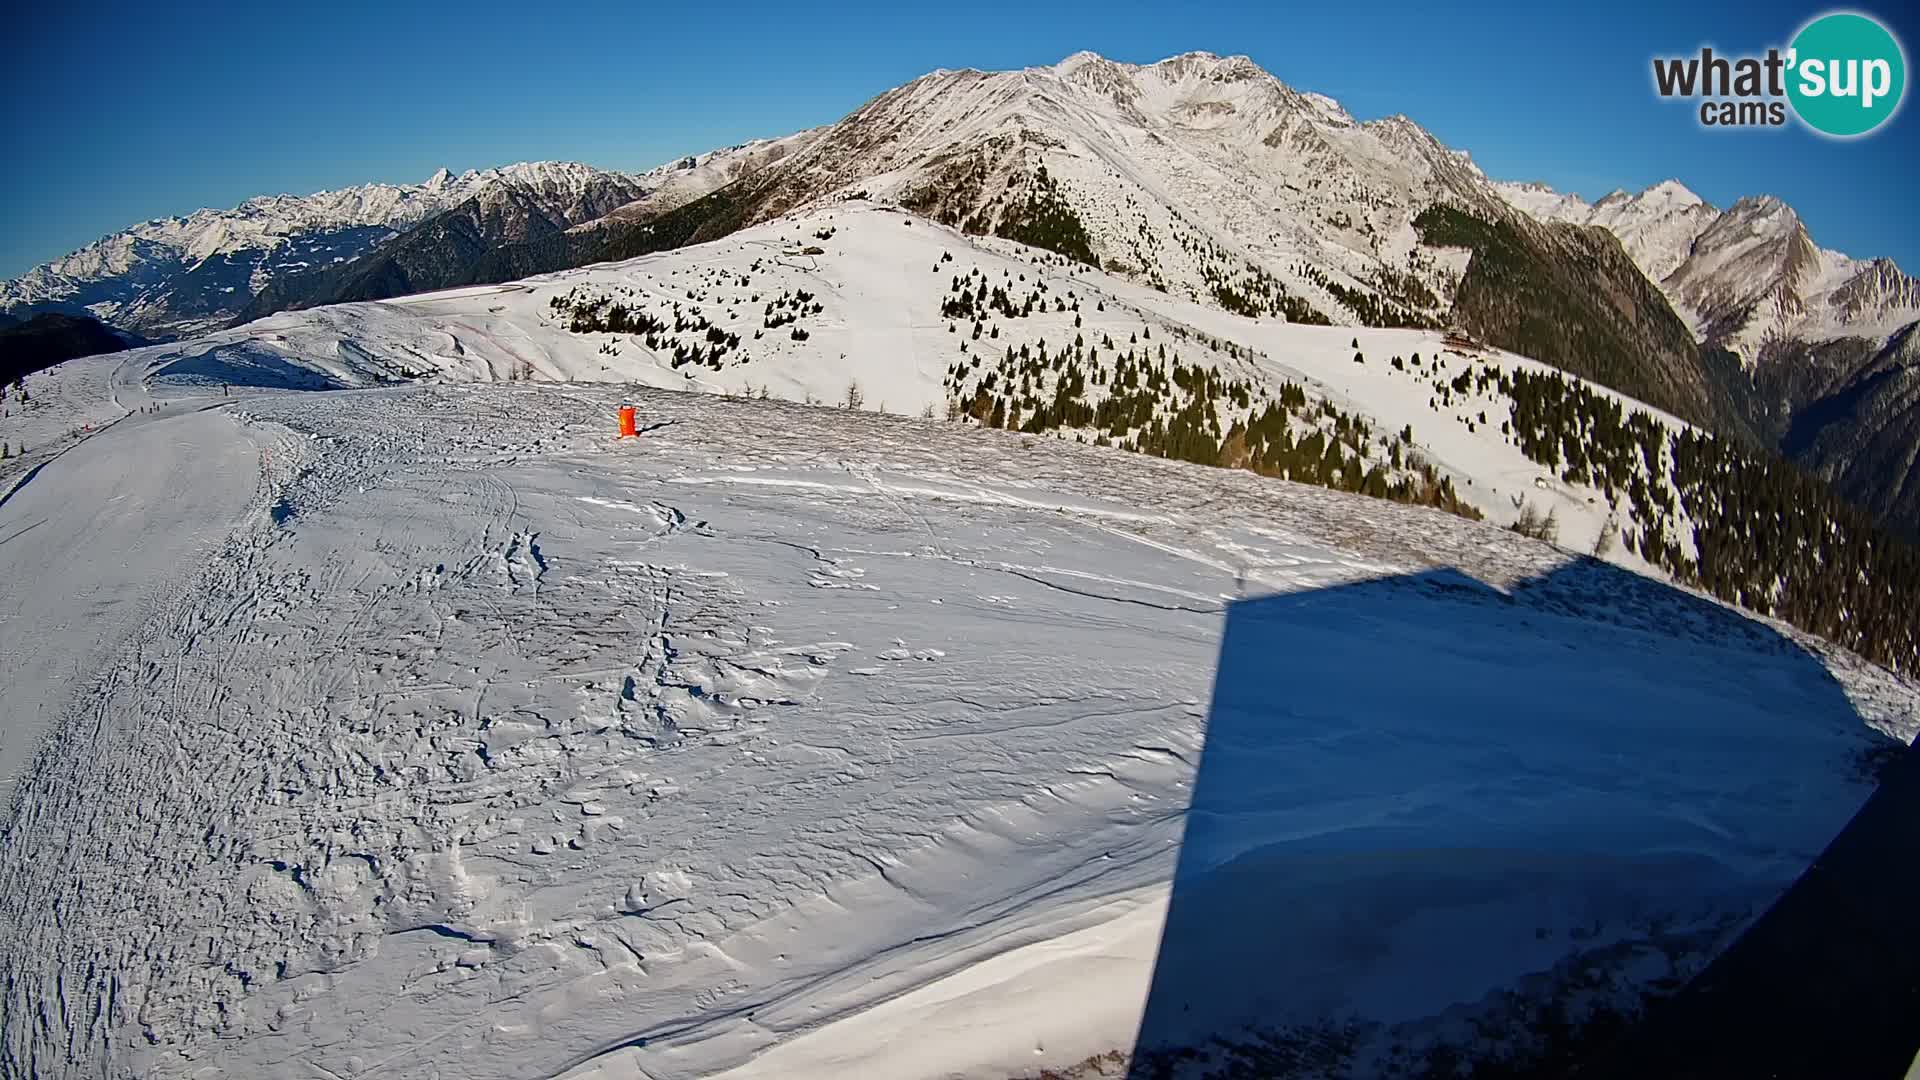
column 1145, row 398
column 1764, row 535
column 1046, row 220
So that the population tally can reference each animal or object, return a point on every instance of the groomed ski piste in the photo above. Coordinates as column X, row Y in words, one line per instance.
column 364, row 726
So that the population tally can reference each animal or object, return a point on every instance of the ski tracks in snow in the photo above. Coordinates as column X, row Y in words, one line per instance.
column 439, row 721
column 498, row 747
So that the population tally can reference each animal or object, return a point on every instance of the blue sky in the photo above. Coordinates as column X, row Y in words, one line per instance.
column 119, row 112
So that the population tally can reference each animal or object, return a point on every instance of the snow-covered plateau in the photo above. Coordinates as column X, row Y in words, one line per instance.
column 374, row 711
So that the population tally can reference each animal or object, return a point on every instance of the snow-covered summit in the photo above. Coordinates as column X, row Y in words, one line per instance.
column 1197, row 173
column 1673, row 192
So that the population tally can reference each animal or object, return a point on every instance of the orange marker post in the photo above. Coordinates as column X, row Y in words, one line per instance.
column 626, row 422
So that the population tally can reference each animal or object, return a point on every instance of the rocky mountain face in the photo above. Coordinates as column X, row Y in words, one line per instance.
column 1747, row 277
column 680, row 182
column 1848, row 410
column 1199, row 173
column 445, row 249
column 1820, row 347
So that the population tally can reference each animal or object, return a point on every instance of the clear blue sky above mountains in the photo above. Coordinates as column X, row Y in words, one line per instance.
column 120, row 112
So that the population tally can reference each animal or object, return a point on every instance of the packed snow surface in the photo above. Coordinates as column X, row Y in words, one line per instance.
column 461, row 738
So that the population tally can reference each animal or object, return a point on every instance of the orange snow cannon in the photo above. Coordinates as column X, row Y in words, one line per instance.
column 626, row 422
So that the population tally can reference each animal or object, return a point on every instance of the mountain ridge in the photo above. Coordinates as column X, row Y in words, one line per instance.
column 264, row 220
column 1207, row 177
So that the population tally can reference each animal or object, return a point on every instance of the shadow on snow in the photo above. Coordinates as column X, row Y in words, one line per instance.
column 1442, row 830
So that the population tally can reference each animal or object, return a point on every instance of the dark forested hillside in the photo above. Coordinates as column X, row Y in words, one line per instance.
column 45, row 340
column 1745, row 526
column 1848, row 411
column 1570, row 296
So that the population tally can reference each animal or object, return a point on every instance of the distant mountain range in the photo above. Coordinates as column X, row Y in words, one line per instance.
column 1203, row 176
column 176, row 277
column 179, row 276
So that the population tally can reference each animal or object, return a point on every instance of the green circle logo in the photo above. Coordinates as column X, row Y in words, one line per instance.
column 1847, row 74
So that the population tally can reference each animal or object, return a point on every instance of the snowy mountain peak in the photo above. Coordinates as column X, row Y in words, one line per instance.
column 1399, row 131
column 1333, row 111
column 1195, row 64
column 1762, row 208
column 1096, row 73
column 1201, row 172
column 1672, row 192
column 1079, row 60
column 1744, row 277
column 1192, row 60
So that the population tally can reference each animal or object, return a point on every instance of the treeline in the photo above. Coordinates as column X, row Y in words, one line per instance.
column 1046, row 220
column 1764, row 535
column 1149, row 401
column 974, row 303
column 688, row 338
column 1330, row 455
column 50, row 338
column 1407, row 290
column 1257, row 294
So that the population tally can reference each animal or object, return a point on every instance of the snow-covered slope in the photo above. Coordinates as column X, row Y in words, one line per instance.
column 680, row 182
column 185, row 274
column 861, row 301
column 818, row 742
column 1745, row 277
column 859, row 296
